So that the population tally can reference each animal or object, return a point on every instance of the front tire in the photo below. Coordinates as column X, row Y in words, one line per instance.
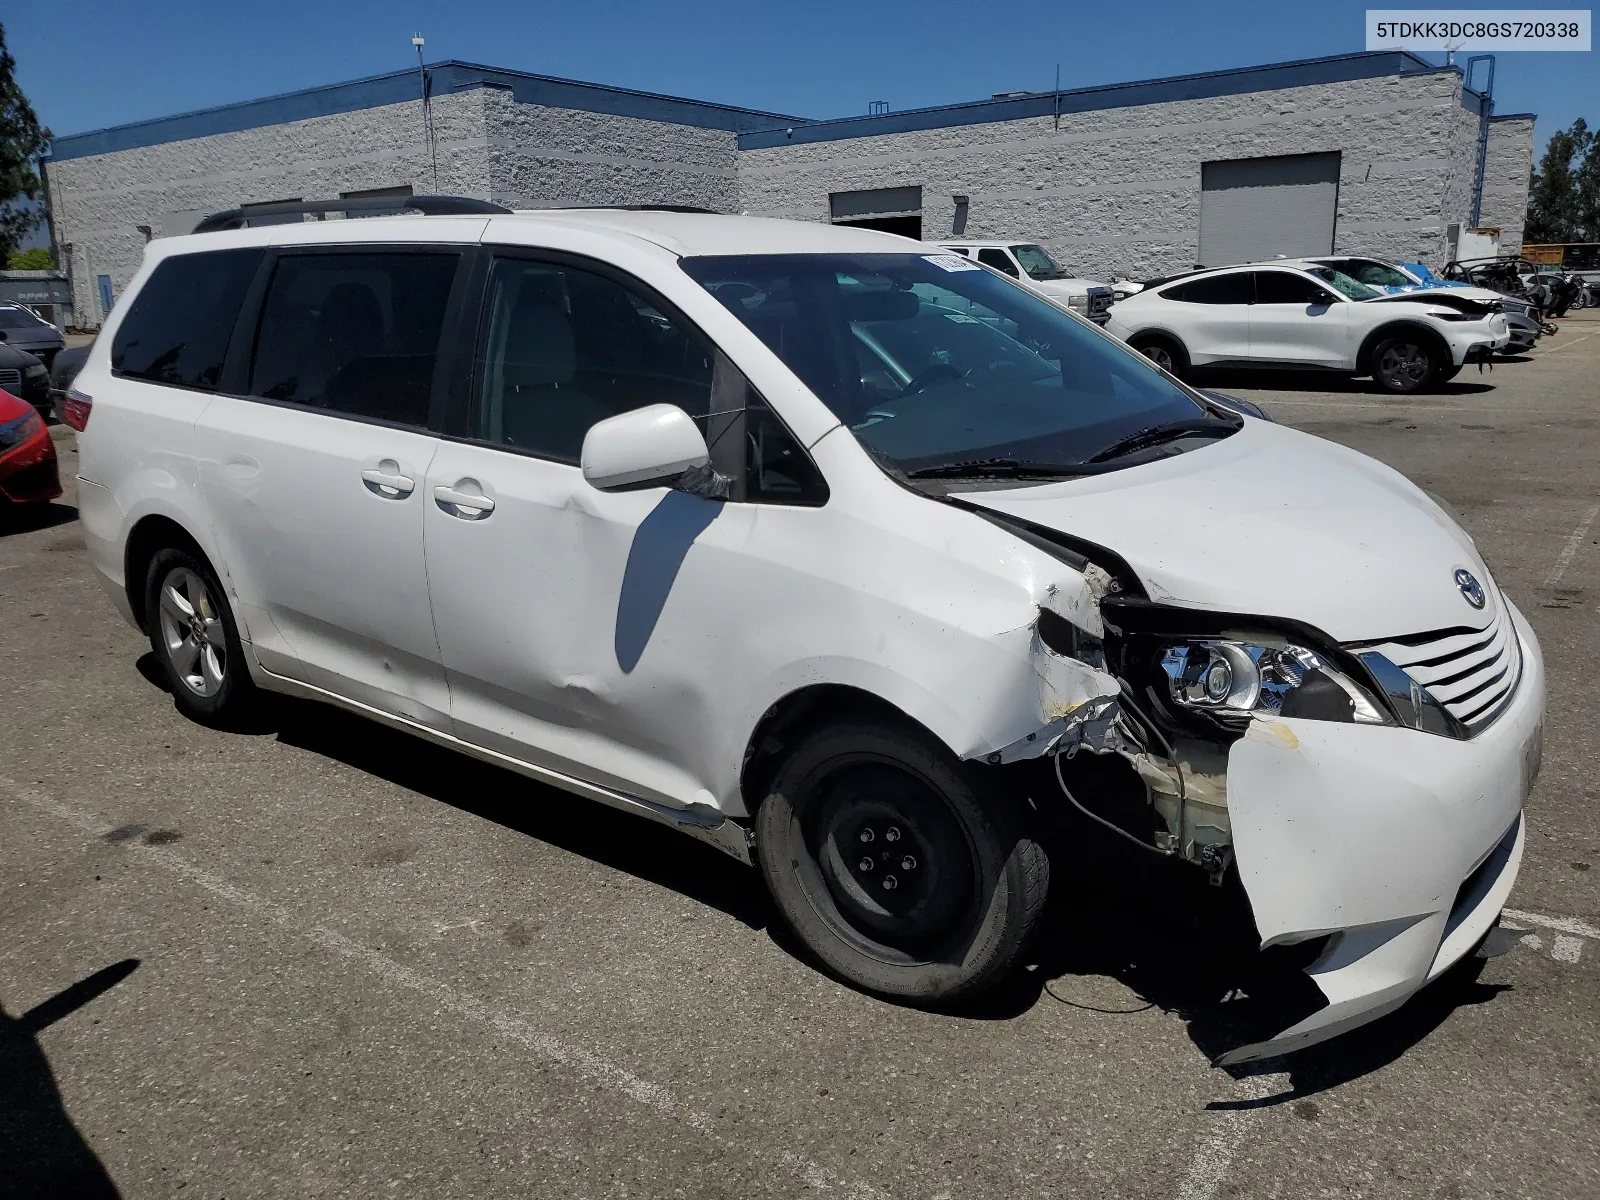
column 896, row 867
column 1406, row 363
column 195, row 639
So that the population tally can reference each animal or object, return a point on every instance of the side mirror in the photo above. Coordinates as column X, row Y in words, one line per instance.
column 1325, row 298
column 648, row 447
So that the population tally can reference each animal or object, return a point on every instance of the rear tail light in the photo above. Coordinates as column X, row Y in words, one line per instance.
column 75, row 409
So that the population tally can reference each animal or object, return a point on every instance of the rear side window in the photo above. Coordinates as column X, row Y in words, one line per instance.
column 177, row 330
column 354, row 333
column 1217, row 289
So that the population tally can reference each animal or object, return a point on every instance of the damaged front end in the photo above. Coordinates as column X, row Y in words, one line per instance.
column 1261, row 746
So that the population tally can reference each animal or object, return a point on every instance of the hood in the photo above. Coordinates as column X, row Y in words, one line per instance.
column 1273, row 522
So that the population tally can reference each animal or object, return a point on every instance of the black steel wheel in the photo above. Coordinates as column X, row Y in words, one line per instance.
column 896, row 867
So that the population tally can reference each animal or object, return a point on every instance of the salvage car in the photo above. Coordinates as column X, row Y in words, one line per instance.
column 1031, row 265
column 1523, row 319
column 1307, row 317
column 29, row 474
column 24, row 376
column 26, row 330
column 802, row 540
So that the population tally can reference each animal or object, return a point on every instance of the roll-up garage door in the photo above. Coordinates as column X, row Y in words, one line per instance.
column 1256, row 208
column 893, row 210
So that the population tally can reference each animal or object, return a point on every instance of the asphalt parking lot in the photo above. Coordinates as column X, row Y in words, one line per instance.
column 318, row 959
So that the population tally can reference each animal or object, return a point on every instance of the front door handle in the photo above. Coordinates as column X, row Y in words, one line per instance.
column 469, row 506
column 386, row 480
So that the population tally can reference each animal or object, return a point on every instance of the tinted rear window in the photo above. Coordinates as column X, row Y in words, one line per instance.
column 355, row 333
column 1214, row 289
column 178, row 328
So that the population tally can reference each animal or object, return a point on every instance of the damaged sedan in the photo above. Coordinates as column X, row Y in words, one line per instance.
column 804, row 540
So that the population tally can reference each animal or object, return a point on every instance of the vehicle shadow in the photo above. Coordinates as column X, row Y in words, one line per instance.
column 26, row 518
column 614, row 839
column 1464, row 384
column 42, row 1151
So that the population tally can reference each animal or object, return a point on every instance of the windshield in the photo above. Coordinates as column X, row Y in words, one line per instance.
column 1380, row 275
column 1344, row 284
column 18, row 318
column 934, row 362
column 1037, row 263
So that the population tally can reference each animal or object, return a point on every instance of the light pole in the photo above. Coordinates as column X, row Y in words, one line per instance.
column 427, row 110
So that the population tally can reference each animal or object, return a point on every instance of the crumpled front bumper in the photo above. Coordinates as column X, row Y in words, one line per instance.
column 1401, row 845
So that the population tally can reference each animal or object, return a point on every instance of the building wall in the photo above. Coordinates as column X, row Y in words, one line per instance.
column 1505, row 179
column 540, row 156
column 99, row 201
column 1117, row 191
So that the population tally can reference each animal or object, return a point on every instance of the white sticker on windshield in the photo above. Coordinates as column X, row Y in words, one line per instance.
column 950, row 262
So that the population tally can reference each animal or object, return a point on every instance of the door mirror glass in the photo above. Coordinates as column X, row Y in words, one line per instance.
column 654, row 446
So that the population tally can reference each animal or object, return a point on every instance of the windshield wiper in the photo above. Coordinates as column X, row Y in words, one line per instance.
column 1009, row 468
column 1155, row 435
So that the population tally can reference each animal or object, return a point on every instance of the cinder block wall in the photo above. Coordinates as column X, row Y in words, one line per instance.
column 541, row 156
column 1505, row 179
column 1117, row 191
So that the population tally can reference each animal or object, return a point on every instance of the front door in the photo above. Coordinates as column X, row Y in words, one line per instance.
column 577, row 627
column 314, row 478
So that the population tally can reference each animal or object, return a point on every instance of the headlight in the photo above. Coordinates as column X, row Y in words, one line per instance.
column 1242, row 678
column 36, row 369
column 1079, row 304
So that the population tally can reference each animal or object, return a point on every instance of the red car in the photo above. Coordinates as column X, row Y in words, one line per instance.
column 28, row 473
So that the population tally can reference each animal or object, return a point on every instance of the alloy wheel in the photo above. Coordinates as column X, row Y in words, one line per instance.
column 1404, row 365
column 192, row 632
column 1160, row 355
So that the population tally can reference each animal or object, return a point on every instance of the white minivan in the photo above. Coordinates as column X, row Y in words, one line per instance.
column 805, row 540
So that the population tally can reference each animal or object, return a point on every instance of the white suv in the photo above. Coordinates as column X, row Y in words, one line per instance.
column 840, row 553
column 1307, row 317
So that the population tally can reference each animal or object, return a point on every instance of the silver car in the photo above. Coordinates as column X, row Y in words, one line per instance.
column 21, row 328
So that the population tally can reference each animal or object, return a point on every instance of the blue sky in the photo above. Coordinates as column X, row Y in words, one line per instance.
column 114, row 62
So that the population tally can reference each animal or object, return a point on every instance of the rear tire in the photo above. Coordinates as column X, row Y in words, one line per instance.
column 1165, row 352
column 896, row 866
column 196, row 641
column 1406, row 363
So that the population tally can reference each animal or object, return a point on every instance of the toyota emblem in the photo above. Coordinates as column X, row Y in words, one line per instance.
column 1470, row 588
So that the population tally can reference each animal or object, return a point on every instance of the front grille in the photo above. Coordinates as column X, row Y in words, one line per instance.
column 1099, row 301
column 11, row 380
column 1472, row 672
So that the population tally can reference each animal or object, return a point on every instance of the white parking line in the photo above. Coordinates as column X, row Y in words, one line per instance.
column 1576, row 926
column 1564, row 559
column 1564, row 345
column 586, row 1063
column 1217, row 1149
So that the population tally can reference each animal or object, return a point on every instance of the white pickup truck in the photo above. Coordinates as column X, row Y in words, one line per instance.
column 1031, row 266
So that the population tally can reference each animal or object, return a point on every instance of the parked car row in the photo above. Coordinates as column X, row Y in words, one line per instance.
column 1306, row 315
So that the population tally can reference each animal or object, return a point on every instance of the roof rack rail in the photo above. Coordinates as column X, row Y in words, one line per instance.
column 428, row 206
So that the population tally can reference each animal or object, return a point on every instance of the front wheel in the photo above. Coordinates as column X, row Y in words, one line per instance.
column 895, row 867
column 195, row 639
column 1404, row 363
